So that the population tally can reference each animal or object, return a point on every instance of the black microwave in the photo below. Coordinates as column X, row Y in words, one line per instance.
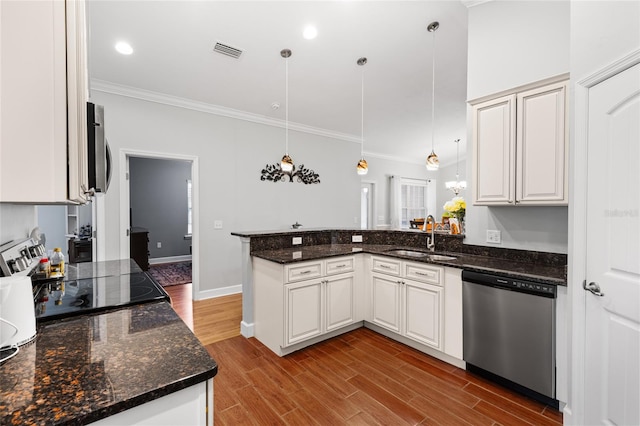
column 98, row 153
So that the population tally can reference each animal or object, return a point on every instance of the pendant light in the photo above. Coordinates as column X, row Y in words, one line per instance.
column 286, row 164
column 458, row 185
column 432, row 160
column 362, row 168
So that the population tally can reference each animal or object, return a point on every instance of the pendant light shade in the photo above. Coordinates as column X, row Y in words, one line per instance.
column 362, row 168
column 432, row 160
column 286, row 164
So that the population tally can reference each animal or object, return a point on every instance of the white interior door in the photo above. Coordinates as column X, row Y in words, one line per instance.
column 612, row 331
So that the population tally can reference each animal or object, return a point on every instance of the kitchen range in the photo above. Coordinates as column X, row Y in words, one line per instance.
column 92, row 330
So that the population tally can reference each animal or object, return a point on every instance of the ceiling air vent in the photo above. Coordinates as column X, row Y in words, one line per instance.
column 227, row 50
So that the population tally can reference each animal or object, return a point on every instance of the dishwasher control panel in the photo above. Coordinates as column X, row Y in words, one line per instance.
column 531, row 287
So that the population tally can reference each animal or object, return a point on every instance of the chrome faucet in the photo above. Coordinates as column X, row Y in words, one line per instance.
column 431, row 239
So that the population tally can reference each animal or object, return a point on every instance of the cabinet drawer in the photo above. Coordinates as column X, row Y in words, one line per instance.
column 304, row 271
column 386, row 266
column 425, row 273
column 340, row 265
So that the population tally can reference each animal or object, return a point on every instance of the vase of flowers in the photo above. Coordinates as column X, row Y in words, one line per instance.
column 457, row 208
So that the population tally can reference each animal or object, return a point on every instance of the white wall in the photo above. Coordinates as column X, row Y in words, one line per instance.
column 446, row 174
column 231, row 155
column 52, row 221
column 16, row 221
column 512, row 43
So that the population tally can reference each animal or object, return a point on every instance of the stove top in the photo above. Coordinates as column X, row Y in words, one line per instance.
column 61, row 299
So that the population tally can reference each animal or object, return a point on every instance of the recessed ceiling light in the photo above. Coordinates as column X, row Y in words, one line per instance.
column 310, row 32
column 124, row 48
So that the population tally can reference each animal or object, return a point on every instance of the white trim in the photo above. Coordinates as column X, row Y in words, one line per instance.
column 161, row 98
column 218, row 292
column 247, row 330
column 577, row 250
column 170, row 259
column 544, row 82
column 472, row 3
column 124, row 155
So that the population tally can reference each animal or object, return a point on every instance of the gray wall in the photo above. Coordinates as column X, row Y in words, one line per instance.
column 158, row 202
column 512, row 44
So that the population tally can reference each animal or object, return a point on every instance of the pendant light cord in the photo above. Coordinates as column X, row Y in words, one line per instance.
column 433, row 90
column 362, row 114
column 286, row 109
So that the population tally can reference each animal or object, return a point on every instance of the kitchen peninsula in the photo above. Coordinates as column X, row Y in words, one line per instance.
column 270, row 256
column 134, row 364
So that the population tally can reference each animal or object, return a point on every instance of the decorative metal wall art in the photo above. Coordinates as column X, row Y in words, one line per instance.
column 274, row 173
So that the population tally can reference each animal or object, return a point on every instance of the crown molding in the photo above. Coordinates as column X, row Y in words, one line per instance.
column 161, row 98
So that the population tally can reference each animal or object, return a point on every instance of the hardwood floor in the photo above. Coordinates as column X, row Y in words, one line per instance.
column 359, row 378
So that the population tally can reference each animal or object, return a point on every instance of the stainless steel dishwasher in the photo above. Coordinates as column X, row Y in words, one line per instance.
column 509, row 332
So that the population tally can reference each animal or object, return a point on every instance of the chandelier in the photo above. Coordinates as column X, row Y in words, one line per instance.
column 457, row 185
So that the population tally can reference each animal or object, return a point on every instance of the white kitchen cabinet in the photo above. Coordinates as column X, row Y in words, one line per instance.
column 189, row 406
column 520, row 146
column 43, row 94
column 408, row 299
column 299, row 304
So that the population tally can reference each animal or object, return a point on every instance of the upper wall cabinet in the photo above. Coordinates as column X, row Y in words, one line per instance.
column 520, row 146
column 43, row 94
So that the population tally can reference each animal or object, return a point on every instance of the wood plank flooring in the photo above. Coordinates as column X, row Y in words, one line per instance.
column 358, row 378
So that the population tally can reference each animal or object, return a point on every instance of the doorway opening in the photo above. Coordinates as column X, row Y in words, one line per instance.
column 159, row 209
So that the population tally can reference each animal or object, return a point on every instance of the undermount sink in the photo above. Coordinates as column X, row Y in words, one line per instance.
column 441, row 257
column 414, row 253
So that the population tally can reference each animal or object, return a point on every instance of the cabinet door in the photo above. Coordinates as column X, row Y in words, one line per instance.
column 494, row 127
column 423, row 313
column 540, row 146
column 33, row 102
column 303, row 312
column 340, row 301
column 386, row 299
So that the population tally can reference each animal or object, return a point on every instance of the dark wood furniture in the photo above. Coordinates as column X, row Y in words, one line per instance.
column 80, row 251
column 139, row 246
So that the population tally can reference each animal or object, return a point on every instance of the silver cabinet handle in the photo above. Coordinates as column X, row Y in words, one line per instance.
column 385, row 266
column 421, row 273
column 341, row 266
column 593, row 287
column 305, row 272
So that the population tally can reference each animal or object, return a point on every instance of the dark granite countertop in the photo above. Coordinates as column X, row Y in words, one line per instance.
column 548, row 274
column 82, row 369
column 78, row 271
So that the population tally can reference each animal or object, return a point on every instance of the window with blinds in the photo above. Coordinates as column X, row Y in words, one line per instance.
column 413, row 200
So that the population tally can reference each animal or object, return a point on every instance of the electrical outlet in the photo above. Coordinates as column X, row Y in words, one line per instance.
column 217, row 224
column 356, row 238
column 159, row 244
column 493, row 236
column 296, row 241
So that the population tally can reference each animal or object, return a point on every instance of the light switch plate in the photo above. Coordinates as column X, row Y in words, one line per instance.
column 493, row 236
column 356, row 238
column 296, row 241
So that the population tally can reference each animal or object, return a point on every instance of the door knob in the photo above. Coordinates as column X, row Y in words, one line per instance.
column 593, row 287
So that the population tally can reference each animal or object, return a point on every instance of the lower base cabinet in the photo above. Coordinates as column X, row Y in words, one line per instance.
column 189, row 406
column 409, row 308
column 319, row 306
column 301, row 303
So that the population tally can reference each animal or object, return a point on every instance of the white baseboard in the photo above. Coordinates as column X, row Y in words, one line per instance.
column 170, row 259
column 246, row 329
column 219, row 292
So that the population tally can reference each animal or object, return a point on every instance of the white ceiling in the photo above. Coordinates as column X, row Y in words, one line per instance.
column 173, row 54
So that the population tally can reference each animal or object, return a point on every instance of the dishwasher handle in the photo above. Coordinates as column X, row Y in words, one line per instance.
column 510, row 283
